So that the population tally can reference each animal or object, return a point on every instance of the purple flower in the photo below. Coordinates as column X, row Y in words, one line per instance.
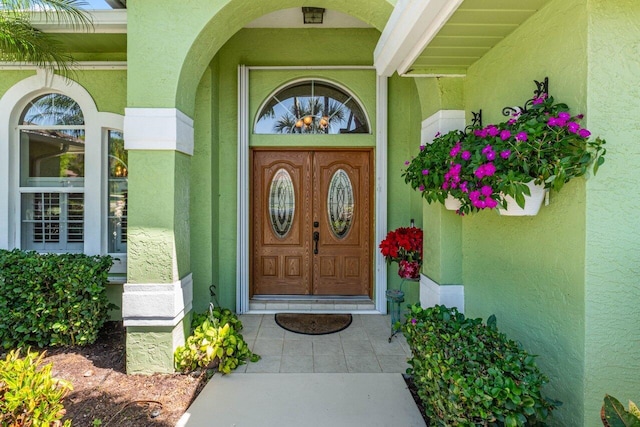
column 486, row 190
column 492, row 130
column 491, row 203
column 407, row 162
column 425, row 171
column 466, row 155
column 421, row 188
column 573, row 127
column 422, row 147
column 512, row 121
column 491, row 155
column 583, row 133
column 505, row 134
column 464, row 187
column 563, row 115
column 505, row 154
column 482, row 133
column 474, row 195
column 437, row 135
column 414, row 321
column 455, row 150
column 521, row 136
column 480, row 204
column 552, row 121
column 489, row 169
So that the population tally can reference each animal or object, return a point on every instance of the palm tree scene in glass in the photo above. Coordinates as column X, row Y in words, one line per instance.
column 311, row 107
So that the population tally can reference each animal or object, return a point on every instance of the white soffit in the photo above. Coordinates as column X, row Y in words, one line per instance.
column 104, row 22
column 412, row 25
column 292, row 18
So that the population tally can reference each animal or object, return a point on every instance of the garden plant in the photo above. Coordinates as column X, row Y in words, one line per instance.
column 468, row 373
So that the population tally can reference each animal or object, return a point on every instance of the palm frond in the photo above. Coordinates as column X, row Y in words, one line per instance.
column 64, row 12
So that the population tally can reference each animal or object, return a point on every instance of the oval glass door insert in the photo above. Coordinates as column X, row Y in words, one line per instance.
column 282, row 201
column 340, row 204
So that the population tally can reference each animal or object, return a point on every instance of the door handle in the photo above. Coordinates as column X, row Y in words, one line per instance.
column 316, row 238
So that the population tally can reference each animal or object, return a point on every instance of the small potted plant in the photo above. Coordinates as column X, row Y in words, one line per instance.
column 404, row 246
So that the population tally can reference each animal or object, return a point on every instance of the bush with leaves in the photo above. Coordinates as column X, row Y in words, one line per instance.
column 215, row 342
column 29, row 396
column 614, row 414
column 52, row 299
column 468, row 373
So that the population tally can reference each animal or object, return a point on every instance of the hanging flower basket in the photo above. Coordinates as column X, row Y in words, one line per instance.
column 409, row 269
column 487, row 167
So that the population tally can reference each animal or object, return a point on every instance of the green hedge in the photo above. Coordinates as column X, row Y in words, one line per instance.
column 467, row 373
column 52, row 299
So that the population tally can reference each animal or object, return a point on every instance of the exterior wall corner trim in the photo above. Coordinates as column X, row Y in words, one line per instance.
column 157, row 304
column 158, row 129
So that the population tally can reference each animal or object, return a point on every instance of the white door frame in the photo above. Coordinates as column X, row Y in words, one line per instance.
column 380, row 215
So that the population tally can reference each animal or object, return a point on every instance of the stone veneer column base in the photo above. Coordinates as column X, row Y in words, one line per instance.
column 432, row 294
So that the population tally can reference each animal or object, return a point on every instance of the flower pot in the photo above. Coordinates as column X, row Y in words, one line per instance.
column 409, row 269
column 451, row 203
column 532, row 203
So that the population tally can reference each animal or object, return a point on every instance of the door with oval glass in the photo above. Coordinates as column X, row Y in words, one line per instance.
column 311, row 222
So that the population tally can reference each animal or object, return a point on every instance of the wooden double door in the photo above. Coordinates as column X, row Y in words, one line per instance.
column 311, row 222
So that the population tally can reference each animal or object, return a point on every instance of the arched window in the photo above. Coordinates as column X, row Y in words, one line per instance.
column 52, row 173
column 311, row 107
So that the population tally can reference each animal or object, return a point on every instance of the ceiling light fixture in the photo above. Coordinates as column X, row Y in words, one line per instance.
column 313, row 15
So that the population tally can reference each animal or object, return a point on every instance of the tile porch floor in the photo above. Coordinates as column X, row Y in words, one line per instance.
column 361, row 348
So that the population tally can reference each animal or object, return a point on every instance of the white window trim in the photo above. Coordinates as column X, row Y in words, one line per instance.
column 380, row 216
column 12, row 103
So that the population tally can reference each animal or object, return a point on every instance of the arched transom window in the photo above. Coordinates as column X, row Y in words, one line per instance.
column 311, row 107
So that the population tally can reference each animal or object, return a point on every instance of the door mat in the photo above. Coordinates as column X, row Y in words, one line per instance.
column 313, row 324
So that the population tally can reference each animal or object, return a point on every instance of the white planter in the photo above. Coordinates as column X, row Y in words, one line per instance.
column 532, row 203
column 451, row 203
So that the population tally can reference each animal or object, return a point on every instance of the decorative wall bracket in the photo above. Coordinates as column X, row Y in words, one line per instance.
column 541, row 92
column 476, row 121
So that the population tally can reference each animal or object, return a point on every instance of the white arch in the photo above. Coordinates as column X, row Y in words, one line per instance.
column 12, row 103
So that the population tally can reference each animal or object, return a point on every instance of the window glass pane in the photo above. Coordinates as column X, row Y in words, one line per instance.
column 282, row 203
column 311, row 107
column 53, row 222
column 52, row 109
column 118, row 193
column 340, row 204
column 52, row 157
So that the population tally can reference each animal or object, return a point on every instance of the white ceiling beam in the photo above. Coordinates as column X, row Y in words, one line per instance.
column 411, row 27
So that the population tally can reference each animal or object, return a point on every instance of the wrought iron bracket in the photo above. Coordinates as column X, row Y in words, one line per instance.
column 476, row 121
column 541, row 91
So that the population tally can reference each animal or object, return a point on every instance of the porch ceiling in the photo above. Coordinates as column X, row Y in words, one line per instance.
column 446, row 36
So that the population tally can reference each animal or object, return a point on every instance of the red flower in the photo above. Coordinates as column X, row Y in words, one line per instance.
column 403, row 244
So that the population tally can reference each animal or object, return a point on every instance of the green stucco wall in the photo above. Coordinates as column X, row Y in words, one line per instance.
column 158, row 230
column 180, row 49
column 612, row 289
column 216, row 137
column 543, row 276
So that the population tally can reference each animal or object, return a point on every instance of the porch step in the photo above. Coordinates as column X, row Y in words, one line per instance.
column 311, row 305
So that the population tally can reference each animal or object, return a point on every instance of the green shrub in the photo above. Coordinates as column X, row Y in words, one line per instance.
column 215, row 342
column 467, row 373
column 52, row 299
column 29, row 396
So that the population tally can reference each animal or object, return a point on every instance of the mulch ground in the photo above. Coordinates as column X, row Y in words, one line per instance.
column 104, row 395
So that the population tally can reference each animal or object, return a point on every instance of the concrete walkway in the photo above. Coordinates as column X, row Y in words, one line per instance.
column 310, row 400
column 351, row 378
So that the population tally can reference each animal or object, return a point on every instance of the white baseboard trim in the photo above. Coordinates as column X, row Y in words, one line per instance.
column 157, row 304
column 431, row 294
